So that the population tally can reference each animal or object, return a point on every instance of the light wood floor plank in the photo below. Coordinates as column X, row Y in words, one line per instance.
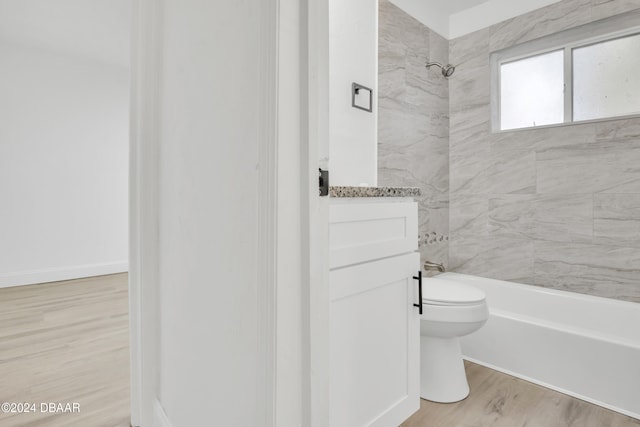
column 66, row 342
column 500, row 400
column 69, row 342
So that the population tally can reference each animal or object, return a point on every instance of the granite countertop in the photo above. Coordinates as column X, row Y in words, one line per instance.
column 373, row 191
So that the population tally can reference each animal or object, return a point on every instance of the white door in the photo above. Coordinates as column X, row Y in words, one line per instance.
column 374, row 343
column 213, row 202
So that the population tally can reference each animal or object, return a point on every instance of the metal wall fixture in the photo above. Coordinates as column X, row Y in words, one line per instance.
column 433, row 266
column 447, row 70
column 355, row 91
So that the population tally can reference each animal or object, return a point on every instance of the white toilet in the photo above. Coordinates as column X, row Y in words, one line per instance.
column 450, row 310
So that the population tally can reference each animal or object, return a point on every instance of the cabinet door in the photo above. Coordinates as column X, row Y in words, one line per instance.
column 375, row 341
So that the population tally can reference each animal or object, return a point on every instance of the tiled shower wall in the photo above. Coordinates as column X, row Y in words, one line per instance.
column 556, row 207
column 413, row 122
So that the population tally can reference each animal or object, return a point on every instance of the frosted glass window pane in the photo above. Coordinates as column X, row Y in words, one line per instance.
column 606, row 79
column 532, row 91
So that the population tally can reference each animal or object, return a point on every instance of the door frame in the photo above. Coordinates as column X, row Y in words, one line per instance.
column 316, row 229
column 143, row 207
column 310, row 24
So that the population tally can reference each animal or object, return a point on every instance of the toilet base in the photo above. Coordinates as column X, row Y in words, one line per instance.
column 442, row 375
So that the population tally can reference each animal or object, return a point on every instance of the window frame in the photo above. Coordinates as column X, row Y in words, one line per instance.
column 609, row 29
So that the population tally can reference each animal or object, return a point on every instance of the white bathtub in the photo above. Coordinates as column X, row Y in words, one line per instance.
column 584, row 346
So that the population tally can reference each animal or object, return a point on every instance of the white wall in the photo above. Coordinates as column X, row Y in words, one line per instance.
column 432, row 13
column 208, row 190
column 97, row 29
column 353, row 52
column 63, row 165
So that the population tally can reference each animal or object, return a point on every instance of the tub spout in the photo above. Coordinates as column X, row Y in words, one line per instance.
column 433, row 266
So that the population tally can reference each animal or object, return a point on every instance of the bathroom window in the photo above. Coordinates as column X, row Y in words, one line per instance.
column 539, row 80
column 587, row 73
column 606, row 79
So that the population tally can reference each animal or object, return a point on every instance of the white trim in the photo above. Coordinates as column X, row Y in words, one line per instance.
column 266, row 269
column 135, row 336
column 143, row 225
column 568, row 84
column 160, row 418
column 292, row 366
column 22, row 278
column 315, row 213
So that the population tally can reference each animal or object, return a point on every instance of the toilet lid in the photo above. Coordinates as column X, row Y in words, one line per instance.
column 447, row 292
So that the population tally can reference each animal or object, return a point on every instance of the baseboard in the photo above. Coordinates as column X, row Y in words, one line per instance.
column 160, row 419
column 67, row 273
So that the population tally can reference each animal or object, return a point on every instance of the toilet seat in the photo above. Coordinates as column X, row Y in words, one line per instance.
column 447, row 293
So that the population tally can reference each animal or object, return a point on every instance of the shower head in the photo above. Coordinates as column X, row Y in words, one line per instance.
column 447, row 70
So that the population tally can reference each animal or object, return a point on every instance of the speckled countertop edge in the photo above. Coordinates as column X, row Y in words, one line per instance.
column 343, row 191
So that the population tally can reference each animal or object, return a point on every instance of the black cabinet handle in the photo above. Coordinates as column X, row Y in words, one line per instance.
column 419, row 279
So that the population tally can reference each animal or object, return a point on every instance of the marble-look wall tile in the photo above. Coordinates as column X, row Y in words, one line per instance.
column 434, row 229
column 401, row 124
column 426, row 88
column 469, row 127
column 468, row 215
column 500, row 258
column 413, row 150
column 469, row 114
column 512, row 215
column 601, row 270
column 543, row 138
column 413, row 122
column 512, row 171
column 564, row 217
column 468, row 86
column 469, row 154
column 510, row 259
column 400, row 163
column 617, row 220
column 605, row 8
column 436, row 221
column 392, row 74
column 541, row 22
column 423, row 89
column 555, row 206
column 438, row 46
column 470, row 171
column 470, row 50
column 438, row 253
column 393, row 25
column 610, row 167
column 466, row 254
column 438, row 217
column 618, row 129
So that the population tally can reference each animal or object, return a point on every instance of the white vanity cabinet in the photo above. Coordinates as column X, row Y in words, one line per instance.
column 375, row 330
